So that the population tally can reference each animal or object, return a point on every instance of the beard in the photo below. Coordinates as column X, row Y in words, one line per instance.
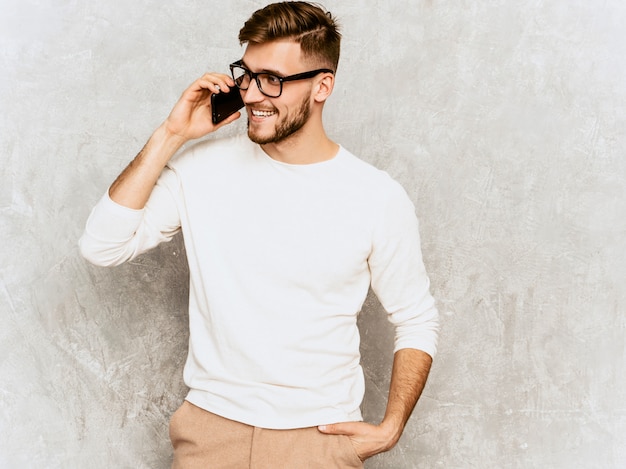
column 285, row 127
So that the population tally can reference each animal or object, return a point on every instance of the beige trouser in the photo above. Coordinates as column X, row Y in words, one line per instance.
column 203, row 440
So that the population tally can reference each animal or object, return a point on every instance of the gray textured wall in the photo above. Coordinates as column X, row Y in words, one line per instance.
column 504, row 120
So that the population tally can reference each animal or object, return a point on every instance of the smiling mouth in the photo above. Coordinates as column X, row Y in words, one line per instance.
column 261, row 113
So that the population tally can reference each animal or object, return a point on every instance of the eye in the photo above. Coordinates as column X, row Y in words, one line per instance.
column 273, row 80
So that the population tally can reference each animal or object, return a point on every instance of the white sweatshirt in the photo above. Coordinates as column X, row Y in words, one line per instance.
column 280, row 260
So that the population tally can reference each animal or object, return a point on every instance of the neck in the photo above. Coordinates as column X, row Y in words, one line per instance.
column 308, row 145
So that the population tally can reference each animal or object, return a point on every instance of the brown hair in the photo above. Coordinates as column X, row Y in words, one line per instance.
column 306, row 23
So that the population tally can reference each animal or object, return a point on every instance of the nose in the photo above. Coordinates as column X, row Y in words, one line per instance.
column 253, row 93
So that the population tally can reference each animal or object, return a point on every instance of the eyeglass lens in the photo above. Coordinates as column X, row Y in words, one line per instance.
column 268, row 84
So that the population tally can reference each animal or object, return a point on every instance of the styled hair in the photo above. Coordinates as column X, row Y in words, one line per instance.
column 306, row 23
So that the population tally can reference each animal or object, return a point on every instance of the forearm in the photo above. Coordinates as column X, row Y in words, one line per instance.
column 189, row 119
column 133, row 186
column 117, row 230
column 408, row 378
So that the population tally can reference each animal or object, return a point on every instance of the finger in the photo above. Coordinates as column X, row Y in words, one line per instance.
column 344, row 428
column 216, row 82
column 211, row 85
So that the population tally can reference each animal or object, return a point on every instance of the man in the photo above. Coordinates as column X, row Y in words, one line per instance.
column 285, row 231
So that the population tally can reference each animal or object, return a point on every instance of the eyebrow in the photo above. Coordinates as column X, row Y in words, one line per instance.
column 265, row 70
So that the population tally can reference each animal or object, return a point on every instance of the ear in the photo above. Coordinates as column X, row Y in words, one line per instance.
column 324, row 87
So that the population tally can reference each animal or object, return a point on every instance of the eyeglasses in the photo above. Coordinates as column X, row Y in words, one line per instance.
column 269, row 84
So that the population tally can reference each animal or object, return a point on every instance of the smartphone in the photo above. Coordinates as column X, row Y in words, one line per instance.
column 225, row 104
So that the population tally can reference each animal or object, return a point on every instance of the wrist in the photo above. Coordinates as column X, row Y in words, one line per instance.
column 169, row 137
column 392, row 430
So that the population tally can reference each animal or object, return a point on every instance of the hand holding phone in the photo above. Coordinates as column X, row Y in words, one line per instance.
column 225, row 104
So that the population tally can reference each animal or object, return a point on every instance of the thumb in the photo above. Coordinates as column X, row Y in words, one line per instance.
column 345, row 428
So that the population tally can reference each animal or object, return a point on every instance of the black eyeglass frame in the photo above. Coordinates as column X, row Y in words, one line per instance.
column 255, row 76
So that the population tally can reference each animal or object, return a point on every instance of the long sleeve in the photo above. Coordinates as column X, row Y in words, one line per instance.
column 399, row 278
column 281, row 258
column 115, row 234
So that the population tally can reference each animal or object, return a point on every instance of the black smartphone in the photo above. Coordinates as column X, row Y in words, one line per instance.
column 225, row 104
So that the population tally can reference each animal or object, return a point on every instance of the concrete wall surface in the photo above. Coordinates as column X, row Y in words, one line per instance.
column 504, row 120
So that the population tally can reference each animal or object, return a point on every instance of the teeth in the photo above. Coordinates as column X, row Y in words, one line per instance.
column 262, row 113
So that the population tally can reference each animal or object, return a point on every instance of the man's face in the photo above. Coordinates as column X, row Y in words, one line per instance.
column 273, row 120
